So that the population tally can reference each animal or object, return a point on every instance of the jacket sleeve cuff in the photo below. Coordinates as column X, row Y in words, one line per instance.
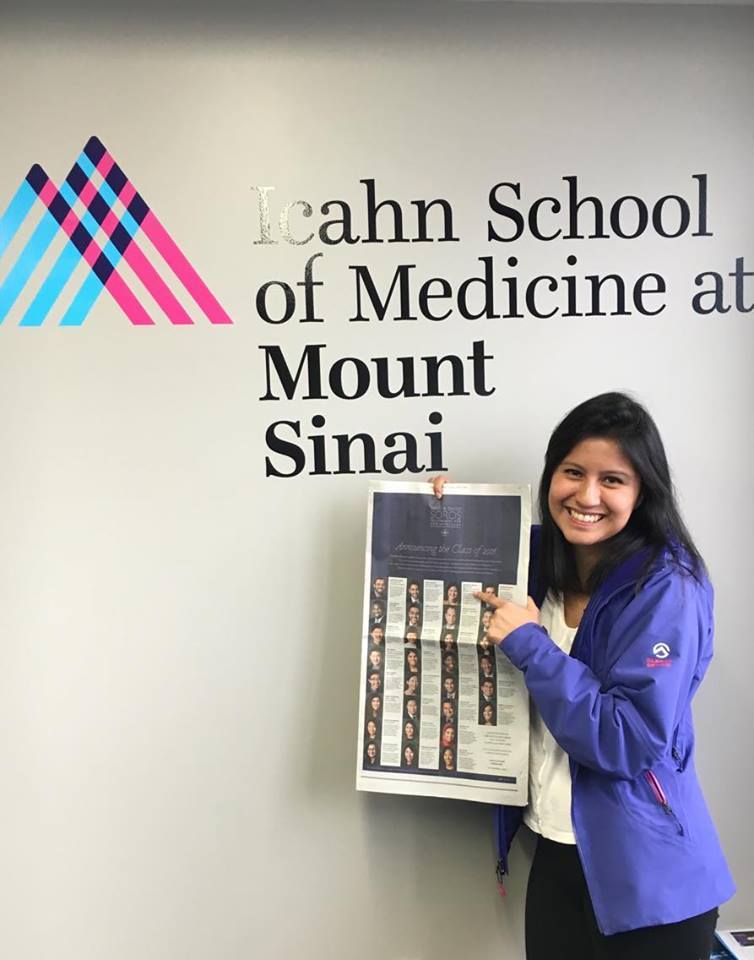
column 522, row 643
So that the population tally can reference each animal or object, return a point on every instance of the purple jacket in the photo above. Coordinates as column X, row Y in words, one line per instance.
column 620, row 706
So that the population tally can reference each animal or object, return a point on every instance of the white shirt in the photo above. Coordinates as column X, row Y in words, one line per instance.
column 549, row 810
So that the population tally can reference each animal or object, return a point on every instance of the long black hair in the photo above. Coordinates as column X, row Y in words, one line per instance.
column 655, row 523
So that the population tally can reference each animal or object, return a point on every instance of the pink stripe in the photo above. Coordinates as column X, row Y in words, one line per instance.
column 156, row 285
column 106, row 164
column 91, row 254
column 88, row 193
column 121, row 293
column 70, row 222
column 48, row 193
column 127, row 193
column 110, row 223
column 178, row 263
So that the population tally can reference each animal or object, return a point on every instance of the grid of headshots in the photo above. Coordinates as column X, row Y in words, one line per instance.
column 375, row 671
column 412, row 672
column 451, row 610
column 411, row 676
column 487, row 664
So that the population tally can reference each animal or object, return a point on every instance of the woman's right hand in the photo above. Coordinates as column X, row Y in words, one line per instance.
column 438, row 483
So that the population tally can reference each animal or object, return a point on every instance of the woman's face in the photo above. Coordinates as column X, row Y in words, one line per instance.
column 408, row 755
column 487, row 713
column 593, row 493
column 448, row 759
column 452, row 594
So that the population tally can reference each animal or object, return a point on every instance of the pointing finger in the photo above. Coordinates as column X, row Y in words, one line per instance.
column 490, row 599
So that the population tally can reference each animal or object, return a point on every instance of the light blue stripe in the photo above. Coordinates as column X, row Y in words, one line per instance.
column 16, row 213
column 28, row 259
column 53, row 286
column 86, row 165
column 83, row 302
column 61, row 272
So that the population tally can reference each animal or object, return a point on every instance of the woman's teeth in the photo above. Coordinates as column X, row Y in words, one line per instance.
column 584, row 517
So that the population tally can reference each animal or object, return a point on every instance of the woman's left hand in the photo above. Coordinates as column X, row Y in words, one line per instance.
column 507, row 615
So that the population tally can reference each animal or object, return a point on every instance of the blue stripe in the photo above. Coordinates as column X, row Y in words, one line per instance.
column 28, row 259
column 51, row 289
column 82, row 302
column 61, row 272
column 16, row 213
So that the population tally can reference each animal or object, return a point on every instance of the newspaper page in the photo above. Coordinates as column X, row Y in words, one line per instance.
column 443, row 713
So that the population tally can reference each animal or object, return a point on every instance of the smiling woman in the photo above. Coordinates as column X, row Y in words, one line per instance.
column 613, row 643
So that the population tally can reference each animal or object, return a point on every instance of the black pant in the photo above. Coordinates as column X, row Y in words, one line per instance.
column 560, row 922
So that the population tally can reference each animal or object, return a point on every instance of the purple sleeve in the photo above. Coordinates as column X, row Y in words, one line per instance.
column 623, row 724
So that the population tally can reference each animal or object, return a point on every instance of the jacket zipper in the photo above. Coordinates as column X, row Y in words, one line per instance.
column 677, row 757
column 660, row 796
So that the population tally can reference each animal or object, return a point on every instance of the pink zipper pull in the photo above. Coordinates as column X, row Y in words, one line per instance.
column 500, row 873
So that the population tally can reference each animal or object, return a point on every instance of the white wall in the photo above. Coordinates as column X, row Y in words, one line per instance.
column 180, row 634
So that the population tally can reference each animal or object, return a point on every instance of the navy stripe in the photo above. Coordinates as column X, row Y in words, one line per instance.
column 99, row 209
column 120, row 238
column 103, row 268
column 116, row 179
column 81, row 238
column 94, row 150
column 37, row 178
column 59, row 208
column 77, row 179
column 138, row 209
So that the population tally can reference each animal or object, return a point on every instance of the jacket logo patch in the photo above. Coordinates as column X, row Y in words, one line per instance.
column 661, row 656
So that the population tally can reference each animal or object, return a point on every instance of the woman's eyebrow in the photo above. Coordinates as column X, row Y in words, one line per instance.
column 604, row 473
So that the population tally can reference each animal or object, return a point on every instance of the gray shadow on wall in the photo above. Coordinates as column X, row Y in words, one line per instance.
column 333, row 650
